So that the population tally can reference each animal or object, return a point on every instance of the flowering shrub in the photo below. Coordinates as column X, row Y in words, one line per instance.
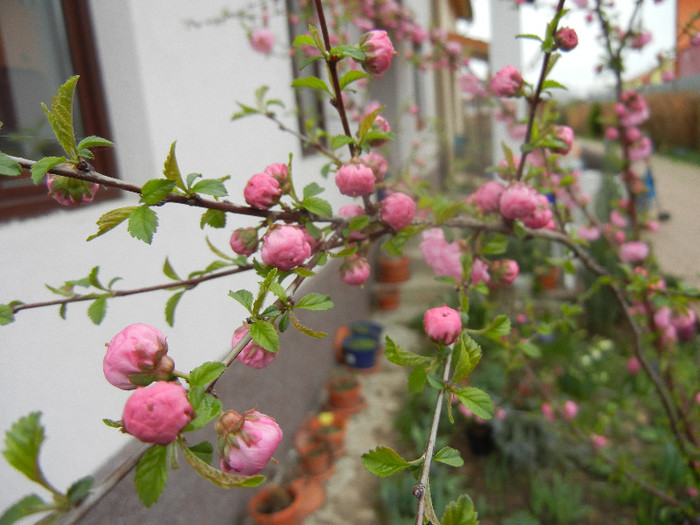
column 466, row 242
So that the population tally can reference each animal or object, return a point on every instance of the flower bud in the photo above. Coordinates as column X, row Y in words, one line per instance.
column 262, row 191
column 246, row 441
column 262, row 40
column 244, row 241
column 355, row 180
column 285, row 247
column 566, row 39
column 70, row 192
column 507, row 82
column 355, row 270
column 480, row 272
column 518, row 201
column 157, row 413
column 136, row 356
column 634, row 252
column 487, row 196
column 281, row 174
column 353, row 210
column 506, row 270
column 566, row 135
column 377, row 163
column 541, row 217
column 397, row 210
column 253, row 355
column 378, row 50
column 442, row 324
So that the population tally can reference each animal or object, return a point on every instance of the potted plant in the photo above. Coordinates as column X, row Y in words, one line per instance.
column 343, row 391
column 276, row 505
column 316, row 460
column 360, row 351
column 329, row 427
column 367, row 328
column 393, row 269
column 387, row 297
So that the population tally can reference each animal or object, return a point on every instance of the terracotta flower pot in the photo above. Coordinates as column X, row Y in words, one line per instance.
column 393, row 269
column 267, row 507
column 330, row 427
column 343, row 391
column 341, row 333
column 316, row 460
column 387, row 298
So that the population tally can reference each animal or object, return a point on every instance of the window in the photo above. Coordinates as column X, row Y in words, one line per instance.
column 42, row 44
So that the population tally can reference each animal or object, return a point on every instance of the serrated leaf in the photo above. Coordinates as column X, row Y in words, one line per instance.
column 315, row 302
column 213, row 218
column 191, row 177
column 476, row 400
column 305, row 329
column 320, row 207
column 358, row 222
column 171, row 170
column 265, row 334
column 79, row 490
column 169, row 271
column 22, row 444
column 304, row 40
column 304, row 272
column 93, row 141
column 244, row 297
column 27, row 506
column 547, row 84
column 204, row 450
column 449, row 456
column 468, row 353
column 152, row 474
column 143, row 223
column 529, row 349
column 352, row 76
column 6, row 315
column 205, row 405
column 417, row 379
column 155, row 190
column 498, row 327
column 40, row 167
column 311, row 82
column 61, row 116
column 496, row 246
column 212, row 187
column 345, row 50
column 338, row 141
column 111, row 219
column 460, row 512
column 206, row 373
column 218, row 477
column 170, row 307
column 311, row 190
column 383, row 462
column 97, row 310
column 401, row 357
column 9, row 167
column 309, row 60
column 277, row 289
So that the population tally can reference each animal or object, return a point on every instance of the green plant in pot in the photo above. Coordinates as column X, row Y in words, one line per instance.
column 343, row 391
column 360, row 351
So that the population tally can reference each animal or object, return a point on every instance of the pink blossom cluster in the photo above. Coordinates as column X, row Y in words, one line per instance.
column 507, row 82
column 263, row 190
column 70, row 192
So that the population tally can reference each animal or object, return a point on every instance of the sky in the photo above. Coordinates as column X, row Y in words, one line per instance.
column 576, row 69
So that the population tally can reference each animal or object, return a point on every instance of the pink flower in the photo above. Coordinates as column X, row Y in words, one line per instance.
column 632, row 109
column 441, row 256
column 136, row 356
column 488, row 195
column 285, row 247
column 480, row 272
column 355, row 180
column 252, row 355
column 352, row 210
column 570, row 410
column 641, row 39
column 262, row 191
column 547, row 412
column 641, row 150
column 566, row 135
column 281, row 174
column 506, row 270
column 246, row 441
column 262, row 40
column 442, row 324
column 378, row 51
column 662, row 317
column 397, row 210
column 70, row 192
column 685, row 325
column 244, row 241
column 588, row 233
column 507, row 82
column 633, row 365
column 157, row 413
column 470, row 84
column 518, row 201
column 598, row 441
column 377, row 163
column 542, row 216
column 566, row 39
column 611, row 133
column 617, row 219
column 668, row 76
column 355, row 270
column 634, row 252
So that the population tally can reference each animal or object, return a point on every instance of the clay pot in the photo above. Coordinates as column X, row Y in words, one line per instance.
column 343, row 391
column 267, row 507
column 329, row 427
column 393, row 269
column 316, row 460
column 550, row 279
column 341, row 333
column 388, row 298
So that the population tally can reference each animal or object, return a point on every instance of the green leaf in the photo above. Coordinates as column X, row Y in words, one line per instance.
column 304, row 40
column 529, row 349
column 213, row 218
column 152, row 474
column 244, row 297
column 304, row 272
column 496, row 246
column 530, row 37
column 315, row 302
column 284, row 319
column 61, row 116
column 311, row 82
column 476, row 400
column 401, row 357
column 155, row 190
column 27, row 506
column 460, row 512
column 191, row 177
column 305, row 329
column 9, row 167
column 212, row 187
column 206, row 408
column 468, row 353
column 265, row 334
column 22, row 444
column 170, row 307
column 171, row 170
column 112, row 423
column 311, row 190
column 245, row 111
column 338, row 141
column 40, row 167
column 309, row 60
column 6, row 315
column 204, row 450
column 352, row 76
column 143, row 223
column 383, row 462
column 97, row 310
column 547, row 84
column 449, row 456
column 111, row 219
column 318, row 206
column 498, row 327
column 216, row 476
column 93, row 141
column 345, row 50
column 79, row 490
column 206, row 373
column 417, row 379
column 169, row 271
